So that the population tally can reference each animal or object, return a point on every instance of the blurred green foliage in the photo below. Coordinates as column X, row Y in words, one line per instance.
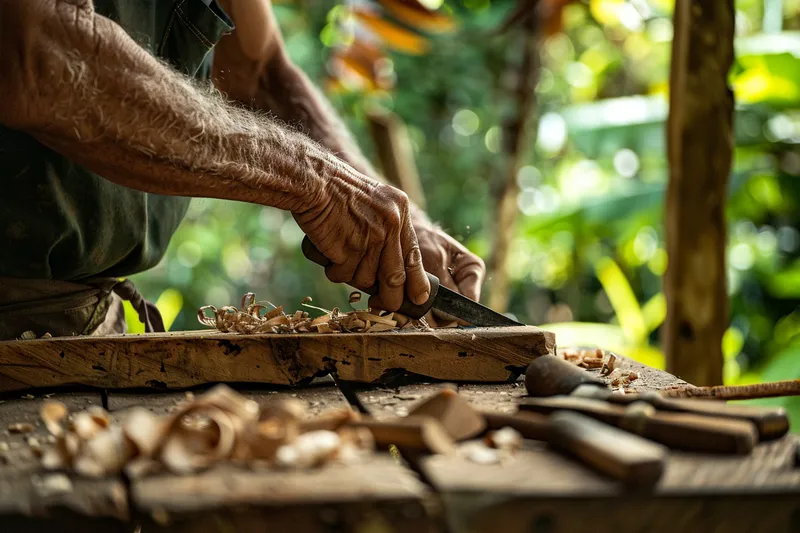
column 588, row 256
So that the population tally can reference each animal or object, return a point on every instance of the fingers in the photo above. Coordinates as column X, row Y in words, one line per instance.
column 391, row 275
column 468, row 271
column 418, row 288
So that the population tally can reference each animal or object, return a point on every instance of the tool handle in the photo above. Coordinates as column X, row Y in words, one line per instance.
column 626, row 457
column 549, row 375
column 771, row 422
column 682, row 431
column 408, row 308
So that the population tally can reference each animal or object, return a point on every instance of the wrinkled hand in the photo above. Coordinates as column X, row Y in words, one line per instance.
column 456, row 267
column 364, row 228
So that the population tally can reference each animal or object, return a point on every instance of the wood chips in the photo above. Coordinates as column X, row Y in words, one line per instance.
column 607, row 363
column 254, row 317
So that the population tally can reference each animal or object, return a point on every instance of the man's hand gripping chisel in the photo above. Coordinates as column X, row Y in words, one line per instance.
column 441, row 298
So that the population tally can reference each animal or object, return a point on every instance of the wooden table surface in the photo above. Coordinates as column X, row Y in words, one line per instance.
column 538, row 491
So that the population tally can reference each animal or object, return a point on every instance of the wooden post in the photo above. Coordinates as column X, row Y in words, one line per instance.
column 390, row 135
column 700, row 145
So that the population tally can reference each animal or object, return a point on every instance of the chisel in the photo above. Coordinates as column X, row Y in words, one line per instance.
column 441, row 298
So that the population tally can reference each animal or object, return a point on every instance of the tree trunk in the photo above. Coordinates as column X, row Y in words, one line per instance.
column 700, row 146
column 516, row 139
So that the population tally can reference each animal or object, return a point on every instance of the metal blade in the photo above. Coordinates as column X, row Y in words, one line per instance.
column 459, row 306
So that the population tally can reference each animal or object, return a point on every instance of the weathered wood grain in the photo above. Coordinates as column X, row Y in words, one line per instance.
column 379, row 494
column 540, row 490
column 179, row 360
column 31, row 498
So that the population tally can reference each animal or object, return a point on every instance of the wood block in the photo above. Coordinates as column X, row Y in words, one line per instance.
column 185, row 359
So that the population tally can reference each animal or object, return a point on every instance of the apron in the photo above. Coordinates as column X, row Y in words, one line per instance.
column 67, row 235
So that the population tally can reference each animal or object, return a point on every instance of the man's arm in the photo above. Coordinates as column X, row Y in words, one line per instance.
column 252, row 66
column 76, row 82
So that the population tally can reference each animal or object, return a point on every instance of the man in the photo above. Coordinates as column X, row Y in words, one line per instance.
column 103, row 136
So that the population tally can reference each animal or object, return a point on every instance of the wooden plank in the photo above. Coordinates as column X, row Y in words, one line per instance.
column 700, row 145
column 31, row 498
column 317, row 399
column 539, row 490
column 378, row 494
column 185, row 359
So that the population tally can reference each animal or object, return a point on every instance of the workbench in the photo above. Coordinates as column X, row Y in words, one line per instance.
column 537, row 491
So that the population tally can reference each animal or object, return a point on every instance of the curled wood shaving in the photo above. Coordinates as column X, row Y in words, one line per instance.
column 217, row 426
column 20, row 427
column 248, row 319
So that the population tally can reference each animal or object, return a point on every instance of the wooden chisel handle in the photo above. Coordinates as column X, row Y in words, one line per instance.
column 626, row 457
column 771, row 422
column 682, row 431
column 408, row 308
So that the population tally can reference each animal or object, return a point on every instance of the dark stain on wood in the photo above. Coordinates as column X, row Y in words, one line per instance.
column 230, row 348
column 99, row 368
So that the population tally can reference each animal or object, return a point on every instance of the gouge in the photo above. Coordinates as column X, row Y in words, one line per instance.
column 680, row 431
column 552, row 376
column 441, row 298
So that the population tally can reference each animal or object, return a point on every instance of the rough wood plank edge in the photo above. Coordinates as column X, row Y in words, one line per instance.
column 700, row 145
column 490, row 513
column 179, row 360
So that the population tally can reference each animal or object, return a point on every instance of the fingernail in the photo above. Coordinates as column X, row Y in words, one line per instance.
column 422, row 298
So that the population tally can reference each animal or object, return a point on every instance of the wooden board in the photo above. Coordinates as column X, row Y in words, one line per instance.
column 540, row 490
column 185, row 359
column 377, row 494
column 32, row 498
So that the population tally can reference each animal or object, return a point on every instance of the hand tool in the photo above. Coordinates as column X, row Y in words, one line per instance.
column 551, row 376
column 441, row 298
column 681, row 431
column 628, row 458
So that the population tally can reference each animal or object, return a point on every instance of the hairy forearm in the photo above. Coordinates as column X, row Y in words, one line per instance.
column 75, row 81
column 275, row 85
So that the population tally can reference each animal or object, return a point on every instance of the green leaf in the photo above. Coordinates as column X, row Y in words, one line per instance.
column 654, row 312
column 169, row 304
column 622, row 298
column 132, row 318
column 785, row 284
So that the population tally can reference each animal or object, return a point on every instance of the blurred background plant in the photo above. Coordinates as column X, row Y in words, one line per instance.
column 585, row 254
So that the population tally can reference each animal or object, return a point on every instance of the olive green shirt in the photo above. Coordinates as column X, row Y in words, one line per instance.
column 60, row 221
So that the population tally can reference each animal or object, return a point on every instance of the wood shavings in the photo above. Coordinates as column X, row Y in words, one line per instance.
column 218, row 426
column 20, row 427
column 609, row 365
column 478, row 452
column 620, row 379
column 248, row 319
column 507, row 439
